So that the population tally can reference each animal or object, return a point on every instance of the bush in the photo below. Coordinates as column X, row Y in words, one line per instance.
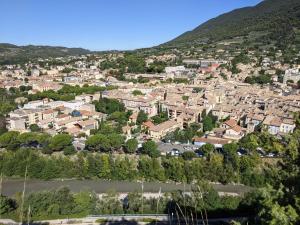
column 188, row 155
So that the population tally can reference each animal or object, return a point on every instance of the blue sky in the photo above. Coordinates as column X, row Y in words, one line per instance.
column 105, row 24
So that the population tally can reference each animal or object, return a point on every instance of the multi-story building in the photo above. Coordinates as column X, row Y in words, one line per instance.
column 291, row 75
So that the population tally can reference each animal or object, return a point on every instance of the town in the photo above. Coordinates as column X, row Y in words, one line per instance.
column 221, row 104
column 150, row 112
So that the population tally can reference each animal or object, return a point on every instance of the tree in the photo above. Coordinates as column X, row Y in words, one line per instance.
column 106, row 167
column 134, row 203
column 137, row 92
column 211, row 199
column 174, row 169
column 69, row 150
column 208, row 124
column 230, row 155
column 188, row 155
column 6, row 205
column 30, row 139
column 116, row 141
column 109, row 106
column 34, row 128
column 98, row 142
column 120, row 117
column 131, row 145
column 272, row 210
column 150, row 148
column 142, row 117
column 8, row 140
column 160, row 118
column 60, row 141
column 207, row 149
column 110, row 204
column 85, row 202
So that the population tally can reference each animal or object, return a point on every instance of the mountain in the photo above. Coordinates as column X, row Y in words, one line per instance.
column 10, row 54
column 270, row 20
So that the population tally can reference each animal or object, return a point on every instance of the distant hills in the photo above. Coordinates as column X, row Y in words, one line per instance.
column 270, row 23
column 10, row 54
column 273, row 20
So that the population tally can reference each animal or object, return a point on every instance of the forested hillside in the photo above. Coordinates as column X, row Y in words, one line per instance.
column 10, row 54
column 275, row 20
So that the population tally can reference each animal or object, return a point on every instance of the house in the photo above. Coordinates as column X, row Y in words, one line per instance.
column 252, row 121
column 159, row 131
column 272, row 124
column 216, row 141
column 16, row 124
column 88, row 107
column 87, row 125
column 62, row 117
column 291, row 75
column 147, row 125
column 73, row 131
column 42, row 86
column 133, row 117
column 287, row 126
column 49, row 114
column 88, row 98
column 35, row 72
column 66, row 123
column 174, row 69
column 235, row 133
column 28, row 116
column 229, row 124
column 127, row 131
column 232, row 130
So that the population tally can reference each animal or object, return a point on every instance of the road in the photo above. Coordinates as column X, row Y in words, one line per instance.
column 130, row 220
column 10, row 187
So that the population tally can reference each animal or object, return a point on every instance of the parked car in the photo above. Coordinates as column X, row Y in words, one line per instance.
column 174, row 152
column 261, row 152
column 271, row 155
column 200, row 154
column 242, row 152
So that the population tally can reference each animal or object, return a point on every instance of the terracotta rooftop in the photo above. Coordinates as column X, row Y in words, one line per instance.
column 231, row 123
column 164, row 126
column 211, row 140
column 148, row 124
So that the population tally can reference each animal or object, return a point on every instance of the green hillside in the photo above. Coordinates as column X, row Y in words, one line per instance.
column 277, row 20
column 10, row 54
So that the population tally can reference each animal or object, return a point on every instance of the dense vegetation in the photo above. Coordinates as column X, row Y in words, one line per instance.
column 61, row 203
column 276, row 204
column 217, row 167
column 68, row 92
column 260, row 79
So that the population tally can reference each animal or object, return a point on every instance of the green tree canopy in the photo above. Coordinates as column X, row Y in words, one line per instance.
column 142, row 117
column 60, row 141
column 150, row 148
column 131, row 146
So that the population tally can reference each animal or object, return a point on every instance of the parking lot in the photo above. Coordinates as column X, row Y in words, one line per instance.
column 167, row 147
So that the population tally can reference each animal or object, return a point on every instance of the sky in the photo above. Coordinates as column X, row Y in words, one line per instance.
column 105, row 24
